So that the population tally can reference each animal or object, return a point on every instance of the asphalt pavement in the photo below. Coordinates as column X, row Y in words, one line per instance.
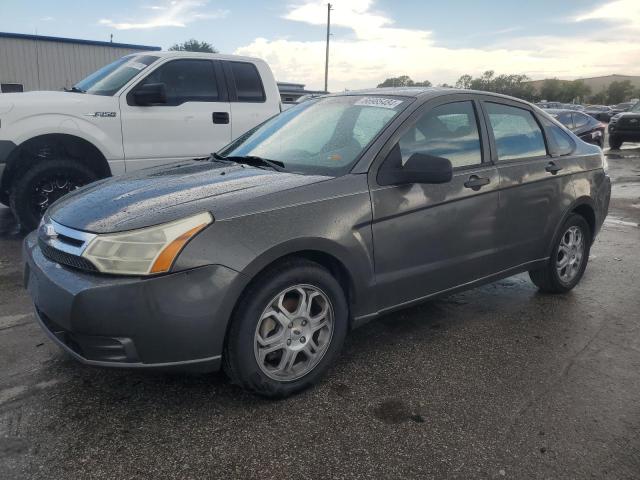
column 497, row 382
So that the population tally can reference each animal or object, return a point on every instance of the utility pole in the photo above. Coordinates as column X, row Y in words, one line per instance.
column 326, row 60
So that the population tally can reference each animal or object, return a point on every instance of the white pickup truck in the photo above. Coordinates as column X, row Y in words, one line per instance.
column 141, row 110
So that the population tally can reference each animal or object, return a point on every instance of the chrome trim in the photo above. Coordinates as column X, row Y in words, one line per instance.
column 44, row 232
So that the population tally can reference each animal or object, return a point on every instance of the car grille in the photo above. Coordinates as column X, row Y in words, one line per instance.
column 65, row 258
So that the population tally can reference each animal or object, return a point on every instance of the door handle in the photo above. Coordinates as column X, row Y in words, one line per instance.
column 220, row 117
column 552, row 168
column 476, row 183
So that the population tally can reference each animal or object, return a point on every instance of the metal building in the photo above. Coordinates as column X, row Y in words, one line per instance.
column 36, row 62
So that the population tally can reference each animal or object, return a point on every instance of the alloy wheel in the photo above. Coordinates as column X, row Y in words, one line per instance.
column 570, row 254
column 294, row 332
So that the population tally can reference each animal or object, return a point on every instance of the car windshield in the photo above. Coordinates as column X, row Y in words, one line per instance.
column 111, row 78
column 324, row 136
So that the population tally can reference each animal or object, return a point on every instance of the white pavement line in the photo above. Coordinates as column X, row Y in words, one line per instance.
column 8, row 321
column 617, row 221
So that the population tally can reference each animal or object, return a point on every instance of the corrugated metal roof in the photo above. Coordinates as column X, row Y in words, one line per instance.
column 44, row 38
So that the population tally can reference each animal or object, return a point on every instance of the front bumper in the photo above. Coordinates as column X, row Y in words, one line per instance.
column 174, row 320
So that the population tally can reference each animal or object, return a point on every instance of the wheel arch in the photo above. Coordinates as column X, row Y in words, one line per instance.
column 583, row 206
column 27, row 153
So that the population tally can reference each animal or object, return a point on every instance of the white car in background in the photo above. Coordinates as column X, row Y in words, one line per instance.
column 142, row 110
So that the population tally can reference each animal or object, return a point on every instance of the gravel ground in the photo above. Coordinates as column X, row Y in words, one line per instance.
column 496, row 382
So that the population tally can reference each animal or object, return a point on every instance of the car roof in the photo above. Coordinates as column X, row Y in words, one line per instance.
column 217, row 56
column 422, row 92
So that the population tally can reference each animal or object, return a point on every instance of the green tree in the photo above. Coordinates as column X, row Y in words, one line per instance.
column 551, row 90
column 514, row 85
column 194, row 45
column 403, row 81
column 619, row 92
column 464, row 81
column 576, row 90
column 599, row 98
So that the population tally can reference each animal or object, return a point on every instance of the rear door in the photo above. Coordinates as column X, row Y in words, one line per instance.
column 193, row 123
column 432, row 237
column 248, row 99
column 535, row 181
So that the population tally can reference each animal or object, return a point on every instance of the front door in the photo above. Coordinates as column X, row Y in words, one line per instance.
column 429, row 238
column 194, row 121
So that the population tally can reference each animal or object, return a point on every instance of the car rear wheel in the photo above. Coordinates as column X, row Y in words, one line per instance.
column 614, row 142
column 44, row 183
column 288, row 329
column 568, row 260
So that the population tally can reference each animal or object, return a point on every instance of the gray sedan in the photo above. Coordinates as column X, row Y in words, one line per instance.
column 262, row 257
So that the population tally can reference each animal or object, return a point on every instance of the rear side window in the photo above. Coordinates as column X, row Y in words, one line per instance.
column 449, row 131
column 565, row 119
column 187, row 81
column 580, row 120
column 247, row 81
column 516, row 132
column 562, row 143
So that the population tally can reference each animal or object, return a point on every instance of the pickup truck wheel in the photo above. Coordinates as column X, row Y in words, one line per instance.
column 614, row 142
column 288, row 329
column 568, row 260
column 42, row 184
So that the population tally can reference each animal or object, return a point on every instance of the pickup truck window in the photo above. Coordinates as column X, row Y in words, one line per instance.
column 187, row 80
column 111, row 78
column 247, row 81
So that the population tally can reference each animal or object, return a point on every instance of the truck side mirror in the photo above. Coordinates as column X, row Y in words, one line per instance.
column 150, row 94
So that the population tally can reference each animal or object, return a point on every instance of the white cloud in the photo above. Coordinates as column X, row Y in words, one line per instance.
column 175, row 13
column 623, row 11
column 376, row 49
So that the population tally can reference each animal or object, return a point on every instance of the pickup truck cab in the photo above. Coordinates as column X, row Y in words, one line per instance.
column 142, row 110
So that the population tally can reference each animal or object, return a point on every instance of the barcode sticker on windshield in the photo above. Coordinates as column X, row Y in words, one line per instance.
column 137, row 65
column 378, row 102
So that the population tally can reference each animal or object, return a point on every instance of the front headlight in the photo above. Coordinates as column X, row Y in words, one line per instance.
column 146, row 251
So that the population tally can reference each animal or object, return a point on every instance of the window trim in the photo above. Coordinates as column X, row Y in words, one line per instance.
column 231, row 82
column 222, row 90
column 492, row 138
column 412, row 120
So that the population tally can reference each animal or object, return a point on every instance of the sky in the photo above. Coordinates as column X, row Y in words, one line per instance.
column 371, row 39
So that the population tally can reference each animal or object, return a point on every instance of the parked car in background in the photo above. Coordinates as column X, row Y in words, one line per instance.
column 141, row 110
column 572, row 106
column 582, row 125
column 625, row 127
column 546, row 105
column 261, row 258
column 599, row 112
column 621, row 107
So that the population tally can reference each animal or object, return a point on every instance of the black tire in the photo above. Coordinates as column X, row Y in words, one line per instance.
column 26, row 190
column 614, row 142
column 239, row 360
column 547, row 278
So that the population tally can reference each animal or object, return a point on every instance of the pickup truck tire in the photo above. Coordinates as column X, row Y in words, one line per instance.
column 615, row 142
column 42, row 184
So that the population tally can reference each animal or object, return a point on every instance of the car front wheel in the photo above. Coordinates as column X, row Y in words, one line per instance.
column 287, row 330
column 614, row 142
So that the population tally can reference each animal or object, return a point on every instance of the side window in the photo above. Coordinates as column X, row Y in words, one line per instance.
column 516, row 132
column 186, row 81
column 449, row 131
column 566, row 119
column 247, row 81
column 580, row 120
column 561, row 139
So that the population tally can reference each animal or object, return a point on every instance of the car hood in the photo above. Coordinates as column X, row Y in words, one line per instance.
column 158, row 195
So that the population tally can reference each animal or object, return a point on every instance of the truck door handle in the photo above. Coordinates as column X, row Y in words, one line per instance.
column 220, row 117
column 552, row 168
column 476, row 183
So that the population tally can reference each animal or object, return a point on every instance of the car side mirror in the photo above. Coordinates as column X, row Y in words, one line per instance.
column 150, row 94
column 420, row 168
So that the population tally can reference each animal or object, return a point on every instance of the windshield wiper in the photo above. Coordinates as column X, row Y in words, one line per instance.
column 252, row 160
column 75, row 90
